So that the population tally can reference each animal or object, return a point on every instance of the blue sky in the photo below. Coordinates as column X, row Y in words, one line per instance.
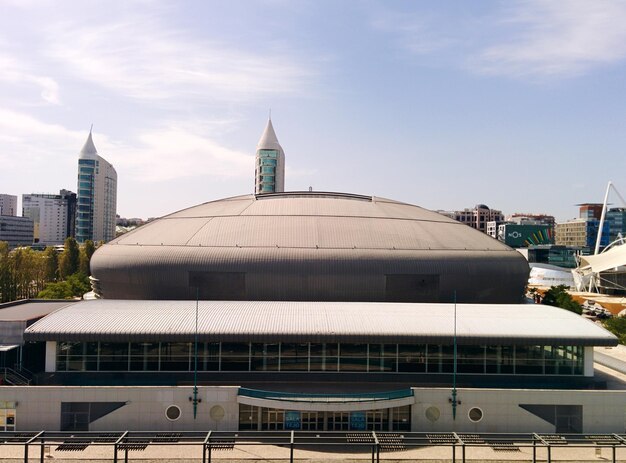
column 516, row 104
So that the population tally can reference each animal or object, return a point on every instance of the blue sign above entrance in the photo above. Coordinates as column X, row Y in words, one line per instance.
column 292, row 419
column 357, row 421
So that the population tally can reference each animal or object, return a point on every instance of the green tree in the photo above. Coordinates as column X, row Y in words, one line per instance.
column 7, row 286
column 70, row 258
column 617, row 326
column 79, row 284
column 28, row 272
column 559, row 297
column 59, row 290
column 86, row 251
column 51, row 264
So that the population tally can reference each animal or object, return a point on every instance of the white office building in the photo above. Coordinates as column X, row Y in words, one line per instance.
column 53, row 216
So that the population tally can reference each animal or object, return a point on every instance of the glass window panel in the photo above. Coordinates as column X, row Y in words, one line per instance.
column 529, row 360
column 390, row 350
column 401, row 418
column 330, row 363
column 235, row 363
column 294, row 350
column 235, row 349
column 447, row 358
column 140, row 363
column 317, row 364
column 294, row 363
column 411, row 358
column 507, row 356
column 113, row 348
column 75, row 363
column 144, row 348
column 175, row 349
column 248, row 417
column 579, row 360
column 353, row 350
column 471, row 359
column 353, row 364
column 113, row 363
column 91, row 348
column 434, row 358
column 375, row 350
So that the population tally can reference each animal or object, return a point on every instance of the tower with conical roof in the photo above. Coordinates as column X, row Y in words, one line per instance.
column 269, row 163
column 96, row 197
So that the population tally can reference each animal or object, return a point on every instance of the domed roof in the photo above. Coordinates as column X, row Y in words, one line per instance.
column 309, row 220
column 308, row 246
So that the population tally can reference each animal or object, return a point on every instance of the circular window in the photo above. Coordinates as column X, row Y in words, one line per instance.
column 432, row 414
column 217, row 413
column 475, row 414
column 172, row 412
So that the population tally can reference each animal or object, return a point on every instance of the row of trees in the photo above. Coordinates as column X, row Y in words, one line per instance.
column 26, row 273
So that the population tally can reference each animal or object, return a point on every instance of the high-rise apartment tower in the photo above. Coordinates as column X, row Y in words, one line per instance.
column 269, row 163
column 97, row 196
column 53, row 216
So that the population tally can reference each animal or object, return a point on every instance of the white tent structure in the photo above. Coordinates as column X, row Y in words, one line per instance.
column 587, row 275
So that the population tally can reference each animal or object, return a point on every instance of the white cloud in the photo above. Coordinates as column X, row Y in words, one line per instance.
column 15, row 72
column 415, row 31
column 140, row 57
column 173, row 152
column 549, row 38
column 155, row 155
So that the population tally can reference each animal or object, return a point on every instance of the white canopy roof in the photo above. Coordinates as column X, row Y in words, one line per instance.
column 614, row 257
column 351, row 322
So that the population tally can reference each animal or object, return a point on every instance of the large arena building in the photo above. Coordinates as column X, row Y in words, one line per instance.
column 309, row 246
column 304, row 311
column 309, row 311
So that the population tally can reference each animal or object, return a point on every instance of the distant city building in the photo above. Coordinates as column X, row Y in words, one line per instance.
column 8, row 205
column 524, row 235
column 53, row 216
column 580, row 233
column 590, row 210
column 520, row 218
column 561, row 256
column 616, row 218
column 97, row 196
column 17, row 231
column 478, row 218
column 269, row 164
column 522, row 230
column 583, row 231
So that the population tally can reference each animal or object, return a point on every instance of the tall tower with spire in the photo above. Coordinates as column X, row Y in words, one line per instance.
column 96, row 197
column 269, row 163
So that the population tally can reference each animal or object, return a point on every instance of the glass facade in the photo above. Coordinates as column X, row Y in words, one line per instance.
column 85, row 207
column 266, row 171
column 320, row 357
column 252, row 418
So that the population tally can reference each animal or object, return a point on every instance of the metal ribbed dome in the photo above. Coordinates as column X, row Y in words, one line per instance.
column 309, row 246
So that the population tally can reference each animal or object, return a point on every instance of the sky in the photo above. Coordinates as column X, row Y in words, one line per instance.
column 520, row 105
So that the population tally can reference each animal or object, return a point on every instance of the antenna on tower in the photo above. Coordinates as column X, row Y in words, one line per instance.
column 91, row 128
column 270, row 114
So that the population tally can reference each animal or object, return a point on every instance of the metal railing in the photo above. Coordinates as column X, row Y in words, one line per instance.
column 14, row 378
column 371, row 443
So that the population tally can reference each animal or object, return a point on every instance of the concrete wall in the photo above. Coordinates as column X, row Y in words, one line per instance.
column 603, row 411
column 39, row 408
